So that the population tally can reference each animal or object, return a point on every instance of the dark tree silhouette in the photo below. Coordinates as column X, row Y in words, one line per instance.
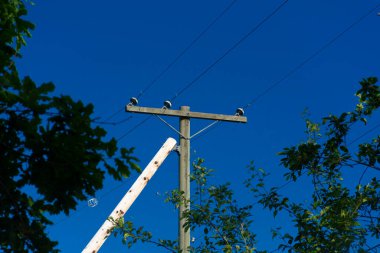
column 49, row 145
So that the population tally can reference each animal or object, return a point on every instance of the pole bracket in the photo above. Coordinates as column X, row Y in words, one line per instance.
column 177, row 149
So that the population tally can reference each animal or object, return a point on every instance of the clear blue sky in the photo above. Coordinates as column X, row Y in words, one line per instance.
column 104, row 52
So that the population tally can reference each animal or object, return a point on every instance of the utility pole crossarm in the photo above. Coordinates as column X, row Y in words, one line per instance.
column 186, row 114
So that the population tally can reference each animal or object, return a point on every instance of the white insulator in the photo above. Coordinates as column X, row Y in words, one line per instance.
column 167, row 104
column 239, row 111
column 133, row 101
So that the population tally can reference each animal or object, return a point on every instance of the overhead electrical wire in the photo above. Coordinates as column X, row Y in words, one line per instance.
column 131, row 130
column 303, row 63
column 254, row 29
column 229, row 50
column 100, row 199
column 278, row 82
column 280, row 187
column 172, row 62
column 265, row 92
column 364, row 134
column 311, row 57
column 114, row 123
column 184, row 51
column 349, row 144
column 106, row 120
column 306, row 61
column 159, row 76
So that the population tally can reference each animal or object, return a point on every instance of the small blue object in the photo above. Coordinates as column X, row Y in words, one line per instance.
column 92, row 202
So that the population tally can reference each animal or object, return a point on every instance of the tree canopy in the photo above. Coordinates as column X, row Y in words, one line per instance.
column 341, row 216
column 52, row 155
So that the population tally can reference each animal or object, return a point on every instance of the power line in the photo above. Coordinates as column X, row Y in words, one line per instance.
column 206, row 70
column 86, row 206
column 352, row 142
column 234, row 46
column 134, row 128
column 311, row 57
column 308, row 59
column 364, row 134
column 175, row 59
column 113, row 114
column 154, row 81
column 290, row 73
column 195, row 138
column 191, row 44
column 114, row 123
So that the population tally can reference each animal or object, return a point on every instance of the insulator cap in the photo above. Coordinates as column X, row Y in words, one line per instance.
column 239, row 111
column 167, row 104
column 133, row 101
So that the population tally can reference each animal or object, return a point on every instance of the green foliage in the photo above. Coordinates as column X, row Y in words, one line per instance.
column 131, row 235
column 13, row 30
column 214, row 216
column 48, row 144
column 338, row 215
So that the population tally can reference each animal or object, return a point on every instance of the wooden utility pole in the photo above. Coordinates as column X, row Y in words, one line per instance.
column 184, row 115
column 184, row 175
column 105, row 230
